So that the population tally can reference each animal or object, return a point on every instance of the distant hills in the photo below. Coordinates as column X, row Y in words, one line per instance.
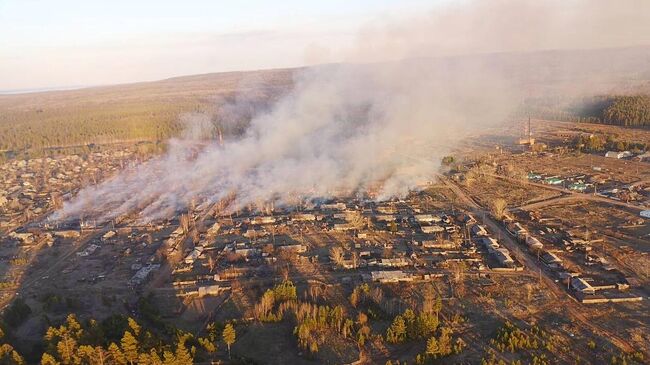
column 151, row 110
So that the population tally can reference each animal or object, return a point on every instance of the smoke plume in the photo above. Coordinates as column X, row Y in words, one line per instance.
column 380, row 127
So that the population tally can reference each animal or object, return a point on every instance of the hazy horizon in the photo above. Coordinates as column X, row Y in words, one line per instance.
column 71, row 43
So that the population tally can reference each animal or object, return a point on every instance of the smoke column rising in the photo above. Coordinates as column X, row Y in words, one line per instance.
column 341, row 128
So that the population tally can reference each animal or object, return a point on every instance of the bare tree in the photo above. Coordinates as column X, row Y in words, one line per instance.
column 355, row 260
column 211, row 263
column 185, row 223
column 336, row 255
column 499, row 206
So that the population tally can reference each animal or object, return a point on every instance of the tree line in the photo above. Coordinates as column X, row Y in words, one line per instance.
column 621, row 110
column 116, row 340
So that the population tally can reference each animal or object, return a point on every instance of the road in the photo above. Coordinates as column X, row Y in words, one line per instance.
column 572, row 307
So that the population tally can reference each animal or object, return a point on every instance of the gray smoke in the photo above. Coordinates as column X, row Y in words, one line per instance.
column 353, row 127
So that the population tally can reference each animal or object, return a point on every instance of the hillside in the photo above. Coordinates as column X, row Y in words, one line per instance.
column 141, row 111
column 151, row 110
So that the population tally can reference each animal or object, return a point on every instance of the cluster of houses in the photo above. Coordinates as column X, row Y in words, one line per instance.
column 598, row 282
column 501, row 255
column 386, row 242
column 29, row 188
column 577, row 182
column 598, row 183
column 641, row 157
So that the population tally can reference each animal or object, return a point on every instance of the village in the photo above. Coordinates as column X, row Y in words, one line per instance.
column 453, row 234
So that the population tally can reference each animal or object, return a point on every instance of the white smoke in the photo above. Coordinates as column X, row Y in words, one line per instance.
column 342, row 128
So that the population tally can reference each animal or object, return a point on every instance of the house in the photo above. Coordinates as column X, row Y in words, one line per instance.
column 394, row 262
column 582, row 286
column 534, row 176
column 194, row 255
column 489, row 242
column 478, row 230
column 25, row 238
column 618, row 155
column 335, row 206
column 67, row 234
column 432, row 229
column 581, row 187
column 427, row 218
column 303, row 217
column 534, row 243
column 385, row 218
column 516, row 229
column 341, row 227
column 109, row 235
column 503, row 256
column 143, row 273
column 263, row 220
column 390, row 276
column 248, row 251
column 554, row 180
column 298, row 248
column 214, row 230
column 208, row 290
column 550, row 258
column 443, row 245
column 465, row 218
column 88, row 251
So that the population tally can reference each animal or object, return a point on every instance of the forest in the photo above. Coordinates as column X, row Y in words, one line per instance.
column 620, row 110
column 152, row 111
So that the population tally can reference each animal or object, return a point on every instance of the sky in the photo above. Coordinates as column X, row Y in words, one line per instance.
column 67, row 43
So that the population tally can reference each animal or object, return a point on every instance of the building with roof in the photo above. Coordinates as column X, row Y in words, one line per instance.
column 390, row 276
column 582, row 286
column 618, row 155
column 554, row 180
column 142, row 274
column 297, row 248
column 478, row 230
column 534, row 243
column 550, row 258
column 393, row 262
column 502, row 255
column 432, row 229
column 581, row 187
column 427, row 218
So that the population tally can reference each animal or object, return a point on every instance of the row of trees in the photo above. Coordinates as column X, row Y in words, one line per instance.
column 71, row 344
column 600, row 143
column 94, row 343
